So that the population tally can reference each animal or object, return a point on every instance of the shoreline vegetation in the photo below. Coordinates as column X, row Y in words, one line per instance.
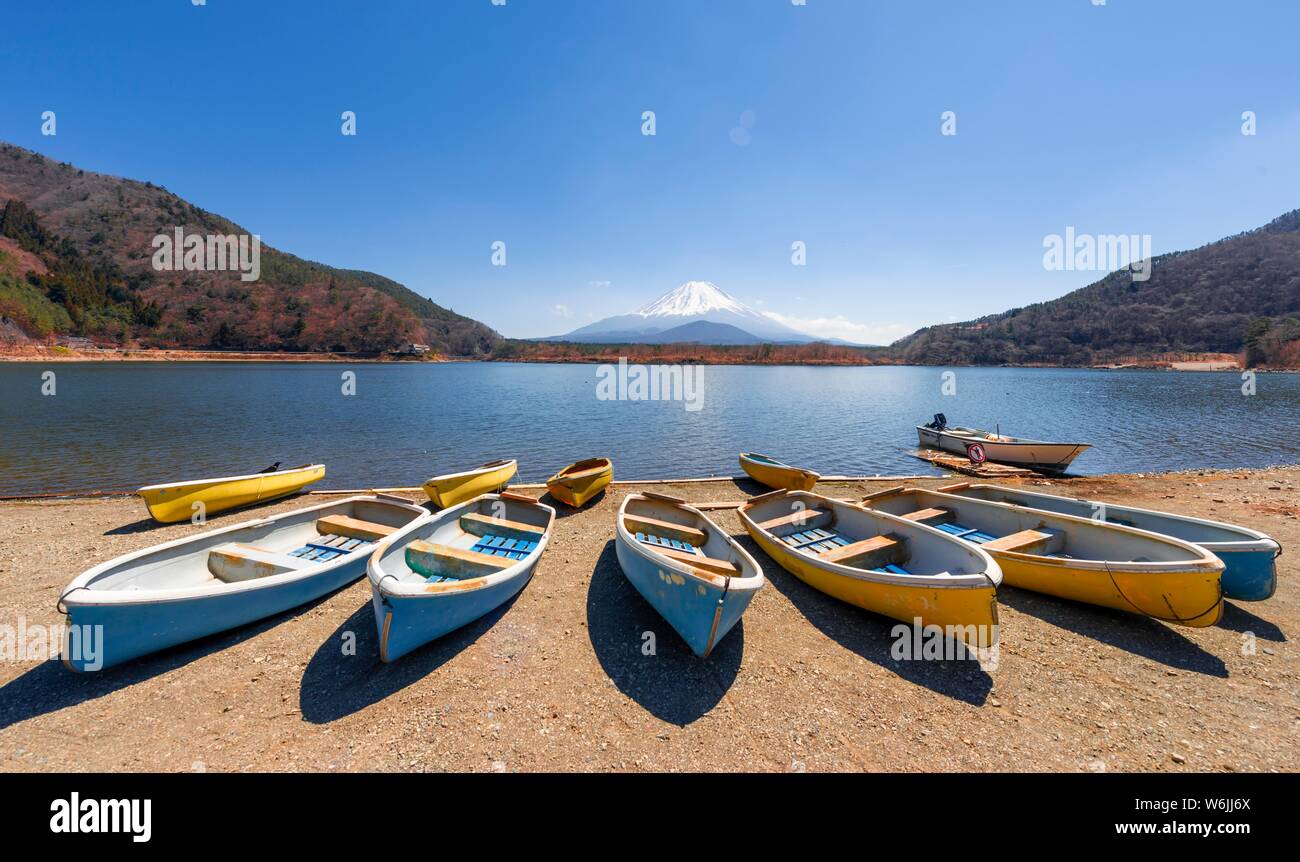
column 816, row 354
column 79, row 279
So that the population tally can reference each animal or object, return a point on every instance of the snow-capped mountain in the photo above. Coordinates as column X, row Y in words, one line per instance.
column 702, row 312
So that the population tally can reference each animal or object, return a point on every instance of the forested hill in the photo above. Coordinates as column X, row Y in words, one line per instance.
column 1237, row 295
column 76, row 257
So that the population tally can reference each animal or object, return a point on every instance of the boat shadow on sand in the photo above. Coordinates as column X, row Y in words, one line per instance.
column 1142, row 636
column 673, row 684
column 870, row 636
column 1238, row 619
column 337, row 684
column 564, row 510
column 50, row 687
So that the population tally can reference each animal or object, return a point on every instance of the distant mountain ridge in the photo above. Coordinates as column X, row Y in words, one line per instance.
column 76, row 257
column 1240, row 294
column 697, row 311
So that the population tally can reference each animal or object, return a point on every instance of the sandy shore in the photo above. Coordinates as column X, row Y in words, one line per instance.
column 556, row 679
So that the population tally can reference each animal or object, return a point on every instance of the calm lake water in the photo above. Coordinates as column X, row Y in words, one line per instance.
column 122, row 425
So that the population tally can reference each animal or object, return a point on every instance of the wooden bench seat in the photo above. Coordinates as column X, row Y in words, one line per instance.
column 699, row 561
column 1023, row 542
column 431, row 559
column 235, row 561
column 804, row 519
column 343, row 525
column 872, row 553
column 486, row 525
column 929, row 516
column 665, row 529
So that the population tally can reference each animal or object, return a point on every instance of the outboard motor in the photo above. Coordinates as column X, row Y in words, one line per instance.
column 940, row 422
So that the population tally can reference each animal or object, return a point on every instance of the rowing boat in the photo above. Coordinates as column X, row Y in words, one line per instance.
column 885, row 564
column 1075, row 558
column 180, row 501
column 453, row 488
column 1249, row 574
column 776, row 474
column 437, row 575
column 178, row 591
column 980, row 445
column 580, row 482
column 696, row 576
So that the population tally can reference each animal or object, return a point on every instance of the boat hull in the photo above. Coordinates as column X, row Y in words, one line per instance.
column 1190, row 597
column 413, row 606
column 962, row 608
column 701, row 614
column 189, row 588
column 1055, row 457
column 778, row 476
column 1248, row 576
column 577, row 490
column 1250, row 570
column 134, row 630
column 702, row 605
column 448, row 491
column 406, row 623
column 172, row 503
column 1095, row 562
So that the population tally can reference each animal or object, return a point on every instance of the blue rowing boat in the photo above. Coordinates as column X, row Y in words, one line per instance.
column 696, row 576
column 443, row 573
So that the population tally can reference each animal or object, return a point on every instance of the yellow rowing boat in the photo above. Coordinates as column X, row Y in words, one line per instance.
column 776, row 474
column 1075, row 558
column 180, row 501
column 454, row 488
column 580, row 482
column 879, row 562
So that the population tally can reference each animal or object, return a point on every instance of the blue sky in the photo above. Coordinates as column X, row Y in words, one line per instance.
column 522, row 123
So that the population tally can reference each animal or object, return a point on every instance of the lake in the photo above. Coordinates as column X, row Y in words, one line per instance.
column 122, row 425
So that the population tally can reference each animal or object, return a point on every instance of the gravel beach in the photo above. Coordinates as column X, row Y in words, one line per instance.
column 556, row 680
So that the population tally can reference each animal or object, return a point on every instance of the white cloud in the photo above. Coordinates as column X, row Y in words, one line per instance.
column 840, row 326
column 598, row 284
column 561, row 310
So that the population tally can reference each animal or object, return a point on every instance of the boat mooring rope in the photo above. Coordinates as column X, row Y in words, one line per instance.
column 58, row 605
column 1175, row 618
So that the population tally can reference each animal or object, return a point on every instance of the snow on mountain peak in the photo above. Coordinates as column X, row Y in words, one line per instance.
column 693, row 298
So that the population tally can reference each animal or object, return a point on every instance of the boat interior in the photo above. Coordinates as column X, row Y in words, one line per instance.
column 296, row 541
column 588, row 467
column 835, row 532
column 488, row 536
column 1190, row 529
column 999, row 527
column 659, row 522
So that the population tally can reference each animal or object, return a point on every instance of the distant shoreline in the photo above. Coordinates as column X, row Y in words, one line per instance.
column 49, row 354
column 44, row 353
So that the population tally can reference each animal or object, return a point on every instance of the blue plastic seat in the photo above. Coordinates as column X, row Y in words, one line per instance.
column 329, row 547
column 501, row 546
column 660, row 541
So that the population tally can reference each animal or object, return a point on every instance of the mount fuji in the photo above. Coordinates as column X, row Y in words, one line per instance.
column 698, row 312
